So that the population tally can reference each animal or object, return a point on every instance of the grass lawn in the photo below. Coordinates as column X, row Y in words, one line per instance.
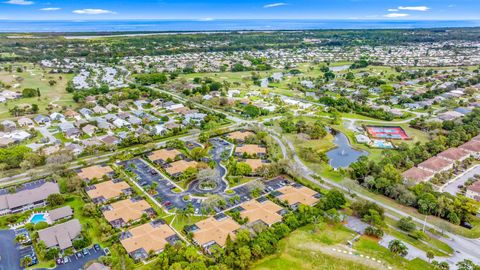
column 304, row 249
column 178, row 223
column 371, row 248
column 37, row 78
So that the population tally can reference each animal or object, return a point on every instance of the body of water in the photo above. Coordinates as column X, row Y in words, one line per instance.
column 344, row 154
column 217, row 25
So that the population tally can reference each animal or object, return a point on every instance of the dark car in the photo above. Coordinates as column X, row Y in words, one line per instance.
column 96, row 247
column 167, row 203
column 466, row 225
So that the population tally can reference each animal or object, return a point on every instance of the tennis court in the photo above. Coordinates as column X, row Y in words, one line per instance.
column 385, row 132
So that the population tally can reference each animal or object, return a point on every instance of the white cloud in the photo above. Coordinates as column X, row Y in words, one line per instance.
column 275, row 5
column 392, row 9
column 50, row 9
column 396, row 15
column 19, row 2
column 93, row 11
column 206, row 19
column 416, row 8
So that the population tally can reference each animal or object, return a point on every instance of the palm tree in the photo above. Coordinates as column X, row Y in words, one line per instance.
column 398, row 248
column 26, row 261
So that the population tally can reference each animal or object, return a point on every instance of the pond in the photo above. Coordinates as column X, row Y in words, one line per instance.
column 343, row 155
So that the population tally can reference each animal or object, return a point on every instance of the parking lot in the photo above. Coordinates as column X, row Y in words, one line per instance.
column 9, row 251
column 77, row 262
column 455, row 185
column 146, row 175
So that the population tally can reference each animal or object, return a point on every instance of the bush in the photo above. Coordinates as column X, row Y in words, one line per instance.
column 406, row 224
column 374, row 231
column 41, row 225
column 52, row 253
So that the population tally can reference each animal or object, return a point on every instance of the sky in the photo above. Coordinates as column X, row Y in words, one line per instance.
column 239, row 9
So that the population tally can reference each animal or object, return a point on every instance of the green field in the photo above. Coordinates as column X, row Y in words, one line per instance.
column 305, row 249
column 35, row 77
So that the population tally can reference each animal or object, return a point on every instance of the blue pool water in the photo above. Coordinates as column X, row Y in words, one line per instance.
column 37, row 218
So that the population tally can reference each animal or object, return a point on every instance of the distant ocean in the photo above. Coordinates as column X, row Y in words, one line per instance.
column 216, row 25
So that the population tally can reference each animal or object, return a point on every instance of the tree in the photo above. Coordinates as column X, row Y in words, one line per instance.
column 242, row 168
column 374, row 231
column 398, row 248
column 55, row 199
column 467, row 265
column 208, row 177
column 373, row 218
column 334, row 199
column 430, row 255
column 198, row 153
column 26, row 261
column 406, row 224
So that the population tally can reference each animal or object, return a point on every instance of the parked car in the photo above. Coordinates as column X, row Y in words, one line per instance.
column 59, row 261
column 106, row 251
column 86, row 252
column 96, row 247
column 79, row 255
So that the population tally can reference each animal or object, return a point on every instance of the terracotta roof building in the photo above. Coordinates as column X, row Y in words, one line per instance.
column 262, row 210
column 454, row 154
column 417, row 175
column 153, row 236
column 297, row 194
column 95, row 171
column 178, row 167
column 240, row 135
column 105, row 191
column 436, row 165
column 162, row 155
column 123, row 212
column 473, row 191
column 214, row 230
column 251, row 149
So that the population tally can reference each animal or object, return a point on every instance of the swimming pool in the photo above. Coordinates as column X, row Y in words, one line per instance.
column 38, row 218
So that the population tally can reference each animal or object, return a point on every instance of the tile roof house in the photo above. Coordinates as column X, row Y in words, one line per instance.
column 297, row 194
column 95, row 171
column 126, row 211
column 250, row 149
column 89, row 129
column 176, row 168
column 214, row 230
column 436, row 165
column 264, row 211
column 107, row 190
column 27, row 199
column 240, row 135
column 454, row 154
column 255, row 164
column 110, row 140
column 473, row 147
column 150, row 237
column 163, row 155
column 25, row 122
column 61, row 235
column 473, row 191
column 417, row 175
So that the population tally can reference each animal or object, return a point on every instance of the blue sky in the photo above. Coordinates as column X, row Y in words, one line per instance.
column 240, row 9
